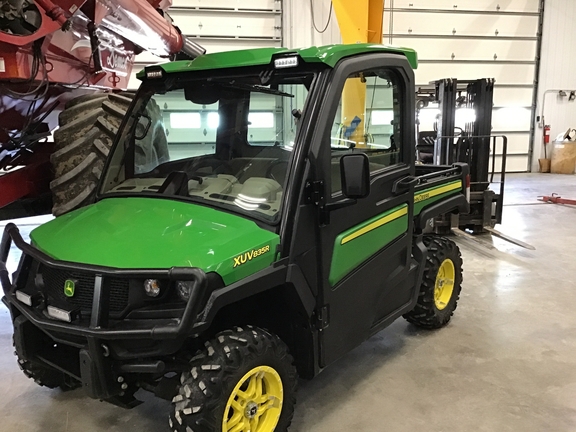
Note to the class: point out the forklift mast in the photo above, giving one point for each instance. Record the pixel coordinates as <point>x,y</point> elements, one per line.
<point>479,97</point>
<point>471,142</point>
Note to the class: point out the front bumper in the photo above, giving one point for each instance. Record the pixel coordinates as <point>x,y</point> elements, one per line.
<point>90,340</point>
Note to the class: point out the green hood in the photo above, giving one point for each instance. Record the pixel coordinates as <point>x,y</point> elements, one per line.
<point>146,233</point>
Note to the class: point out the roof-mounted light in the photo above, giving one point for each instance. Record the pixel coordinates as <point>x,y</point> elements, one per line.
<point>154,73</point>
<point>286,62</point>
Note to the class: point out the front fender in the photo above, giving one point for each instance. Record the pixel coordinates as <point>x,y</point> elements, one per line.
<point>276,275</point>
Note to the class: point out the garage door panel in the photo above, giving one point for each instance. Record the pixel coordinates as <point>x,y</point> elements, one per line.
<point>226,4</point>
<point>420,23</point>
<point>511,119</point>
<point>517,143</point>
<point>514,163</point>
<point>230,24</point>
<point>464,49</point>
<point>213,46</point>
<point>512,96</point>
<point>503,73</point>
<point>529,6</point>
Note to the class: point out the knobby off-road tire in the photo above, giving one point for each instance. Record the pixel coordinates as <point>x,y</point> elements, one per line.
<point>212,391</point>
<point>443,268</point>
<point>47,377</point>
<point>88,125</point>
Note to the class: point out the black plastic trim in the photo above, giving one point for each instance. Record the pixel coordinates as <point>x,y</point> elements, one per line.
<point>451,204</point>
<point>173,330</point>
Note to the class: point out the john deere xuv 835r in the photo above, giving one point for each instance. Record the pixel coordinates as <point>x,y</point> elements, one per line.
<point>284,230</point>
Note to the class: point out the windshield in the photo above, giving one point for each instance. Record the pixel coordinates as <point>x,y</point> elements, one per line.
<point>222,142</point>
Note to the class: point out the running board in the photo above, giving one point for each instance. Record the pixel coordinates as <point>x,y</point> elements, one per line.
<point>506,237</point>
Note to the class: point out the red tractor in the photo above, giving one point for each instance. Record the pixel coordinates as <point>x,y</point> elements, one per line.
<point>52,59</point>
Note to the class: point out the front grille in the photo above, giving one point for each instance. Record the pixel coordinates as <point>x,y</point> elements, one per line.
<point>54,281</point>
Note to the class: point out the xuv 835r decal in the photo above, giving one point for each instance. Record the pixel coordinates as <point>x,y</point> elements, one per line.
<point>354,246</point>
<point>250,255</point>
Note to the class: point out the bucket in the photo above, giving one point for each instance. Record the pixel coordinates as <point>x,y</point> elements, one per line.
<point>563,158</point>
<point>544,165</point>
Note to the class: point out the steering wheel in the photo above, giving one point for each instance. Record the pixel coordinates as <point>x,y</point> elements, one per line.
<point>272,166</point>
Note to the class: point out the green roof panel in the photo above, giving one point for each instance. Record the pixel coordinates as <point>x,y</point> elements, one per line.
<point>329,55</point>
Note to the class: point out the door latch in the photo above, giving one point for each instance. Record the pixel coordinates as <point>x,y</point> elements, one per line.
<point>323,318</point>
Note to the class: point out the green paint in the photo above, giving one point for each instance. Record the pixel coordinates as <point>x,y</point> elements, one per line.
<point>69,288</point>
<point>329,55</point>
<point>153,233</point>
<point>348,256</point>
<point>420,205</point>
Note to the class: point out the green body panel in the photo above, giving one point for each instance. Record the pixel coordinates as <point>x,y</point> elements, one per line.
<point>357,244</point>
<point>154,233</point>
<point>431,195</point>
<point>329,55</point>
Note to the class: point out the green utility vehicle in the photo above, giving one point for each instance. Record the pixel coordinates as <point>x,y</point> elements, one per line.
<point>284,230</point>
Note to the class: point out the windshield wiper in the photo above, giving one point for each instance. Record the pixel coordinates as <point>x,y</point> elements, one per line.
<point>257,89</point>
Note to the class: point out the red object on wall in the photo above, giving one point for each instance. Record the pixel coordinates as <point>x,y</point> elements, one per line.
<point>546,134</point>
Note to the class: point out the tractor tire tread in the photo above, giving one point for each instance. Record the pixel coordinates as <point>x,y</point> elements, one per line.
<point>88,126</point>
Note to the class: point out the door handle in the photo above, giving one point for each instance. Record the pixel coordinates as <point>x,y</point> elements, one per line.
<point>404,185</point>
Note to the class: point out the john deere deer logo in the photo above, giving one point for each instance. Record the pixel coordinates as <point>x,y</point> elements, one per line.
<point>69,288</point>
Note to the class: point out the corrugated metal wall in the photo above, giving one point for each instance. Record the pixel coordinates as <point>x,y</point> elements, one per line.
<point>557,71</point>
<point>468,39</point>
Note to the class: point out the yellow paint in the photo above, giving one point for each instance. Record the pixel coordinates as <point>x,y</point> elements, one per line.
<point>375,224</point>
<point>250,255</point>
<point>255,403</point>
<point>360,21</point>
<point>434,192</point>
<point>444,286</point>
<point>354,105</point>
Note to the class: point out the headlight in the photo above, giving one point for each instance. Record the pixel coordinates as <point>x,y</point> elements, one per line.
<point>184,289</point>
<point>152,287</point>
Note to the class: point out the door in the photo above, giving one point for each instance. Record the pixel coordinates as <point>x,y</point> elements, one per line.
<point>366,247</point>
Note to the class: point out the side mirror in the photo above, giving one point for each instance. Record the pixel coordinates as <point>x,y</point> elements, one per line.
<point>355,175</point>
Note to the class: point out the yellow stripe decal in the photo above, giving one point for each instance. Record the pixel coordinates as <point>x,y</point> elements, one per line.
<point>433,192</point>
<point>376,224</point>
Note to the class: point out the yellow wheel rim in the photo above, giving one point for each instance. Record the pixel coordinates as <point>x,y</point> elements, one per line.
<point>444,286</point>
<point>255,403</point>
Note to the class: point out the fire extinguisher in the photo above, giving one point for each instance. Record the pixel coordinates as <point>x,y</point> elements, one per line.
<point>546,138</point>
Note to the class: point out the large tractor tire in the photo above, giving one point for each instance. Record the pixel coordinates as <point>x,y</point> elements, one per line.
<point>88,125</point>
<point>244,380</point>
<point>441,284</point>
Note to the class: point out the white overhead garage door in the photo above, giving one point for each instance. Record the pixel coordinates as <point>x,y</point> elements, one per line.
<point>223,25</point>
<point>471,39</point>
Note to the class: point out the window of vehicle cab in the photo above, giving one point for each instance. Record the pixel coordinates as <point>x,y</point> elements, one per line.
<point>368,120</point>
<point>224,142</point>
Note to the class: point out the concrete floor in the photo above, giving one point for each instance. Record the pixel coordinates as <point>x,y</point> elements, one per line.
<point>507,361</point>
